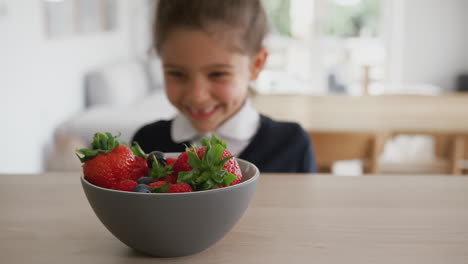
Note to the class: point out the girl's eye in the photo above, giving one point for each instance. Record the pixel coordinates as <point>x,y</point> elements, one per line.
<point>217,75</point>
<point>176,74</point>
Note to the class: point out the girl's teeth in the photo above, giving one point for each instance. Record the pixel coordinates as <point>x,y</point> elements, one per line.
<point>204,111</point>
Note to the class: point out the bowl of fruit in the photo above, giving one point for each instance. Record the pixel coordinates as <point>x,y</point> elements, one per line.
<point>166,205</point>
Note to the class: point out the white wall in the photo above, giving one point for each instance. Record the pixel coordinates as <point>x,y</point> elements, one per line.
<point>41,79</point>
<point>435,42</point>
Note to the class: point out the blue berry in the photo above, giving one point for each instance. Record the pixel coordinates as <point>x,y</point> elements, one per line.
<point>159,156</point>
<point>145,180</point>
<point>143,188</point>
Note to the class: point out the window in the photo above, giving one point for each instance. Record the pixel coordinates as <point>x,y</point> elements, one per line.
<point>324,46</point>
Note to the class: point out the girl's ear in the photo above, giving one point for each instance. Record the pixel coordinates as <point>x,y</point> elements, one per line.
<point>258,62</point>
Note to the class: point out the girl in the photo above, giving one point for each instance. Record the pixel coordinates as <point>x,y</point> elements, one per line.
<point>211,50</point>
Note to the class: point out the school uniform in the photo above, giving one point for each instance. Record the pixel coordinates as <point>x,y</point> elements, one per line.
<point>271,145</point>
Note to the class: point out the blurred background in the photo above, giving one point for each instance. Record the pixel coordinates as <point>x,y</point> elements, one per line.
<point>69,68</point>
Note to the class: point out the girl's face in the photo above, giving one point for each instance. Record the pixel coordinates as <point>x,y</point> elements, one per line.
<point>206,78</point>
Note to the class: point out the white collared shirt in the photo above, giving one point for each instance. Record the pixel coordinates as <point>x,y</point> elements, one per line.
<point>236,131</point>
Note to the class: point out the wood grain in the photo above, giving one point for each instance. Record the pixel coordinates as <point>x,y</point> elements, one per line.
<point>294,218</point>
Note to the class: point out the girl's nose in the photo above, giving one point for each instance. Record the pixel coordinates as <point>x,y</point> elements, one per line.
<point>197,91</point>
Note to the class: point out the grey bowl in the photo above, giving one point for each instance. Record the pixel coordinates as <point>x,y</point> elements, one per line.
<point>170,225</point>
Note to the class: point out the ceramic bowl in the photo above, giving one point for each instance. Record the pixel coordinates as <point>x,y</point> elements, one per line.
<point>173,224</point>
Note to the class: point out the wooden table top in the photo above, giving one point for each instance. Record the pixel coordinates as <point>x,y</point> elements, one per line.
<point>293,218</point>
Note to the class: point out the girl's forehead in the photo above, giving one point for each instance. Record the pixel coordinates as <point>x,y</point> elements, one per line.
<point>213,40</point>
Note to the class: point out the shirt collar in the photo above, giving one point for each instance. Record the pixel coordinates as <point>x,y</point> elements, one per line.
<point>242,126</point>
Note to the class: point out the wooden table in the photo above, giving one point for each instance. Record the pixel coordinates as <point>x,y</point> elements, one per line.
<point>295,218</point>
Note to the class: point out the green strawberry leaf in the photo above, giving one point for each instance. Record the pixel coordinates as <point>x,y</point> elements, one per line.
<point>229,178</point>
<point>162,189</point>
<point>87,154</point>
<point>158,170</point>
<point>214,140</point>
<point>205,142</point>
<point>102,143</point>
<point>223,161</point>
<point>137,151</point>
<point>214,154</point>
<point>219,176</point>
<point>203,177</point>
<point>187,177</point>
<point>194,160</point>
<point>208,185</point>
<point>207,171</point>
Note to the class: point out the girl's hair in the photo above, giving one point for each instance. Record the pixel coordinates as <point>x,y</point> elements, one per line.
<point>245,16</point>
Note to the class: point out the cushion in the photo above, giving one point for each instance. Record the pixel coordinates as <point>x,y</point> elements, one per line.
<point>119,84</point>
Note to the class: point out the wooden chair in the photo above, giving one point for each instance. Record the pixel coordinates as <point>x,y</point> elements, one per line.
<point>459,155</point>
<point>450,151</point>
<point>332,146</point>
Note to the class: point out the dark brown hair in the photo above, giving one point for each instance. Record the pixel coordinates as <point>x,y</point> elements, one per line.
<point>245,16</point>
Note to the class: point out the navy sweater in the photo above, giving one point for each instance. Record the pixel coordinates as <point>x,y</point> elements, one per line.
<point>276,147</point>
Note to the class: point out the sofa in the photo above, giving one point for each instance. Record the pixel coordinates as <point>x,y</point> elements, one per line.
<point>119,98</point>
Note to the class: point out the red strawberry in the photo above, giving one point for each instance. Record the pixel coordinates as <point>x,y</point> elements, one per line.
<point>181,163</point>
<point>165,187</point>
<point>140,168</point>
<point>212,166</point>
<point>160,172</point>
<point>157,184</point>
<point>170,179</point>
<point>180,187</point>
<point>170,161</point>
<point>231,165</point>
<point>126,185</point>
<point>107,162</point>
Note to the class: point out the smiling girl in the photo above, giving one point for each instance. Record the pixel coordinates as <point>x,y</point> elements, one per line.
<point>211,50</point>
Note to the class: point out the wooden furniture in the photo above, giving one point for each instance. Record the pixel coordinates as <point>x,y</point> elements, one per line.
<point>449,151</point>
<point>293,218</point>
<point>332,146</point>
<point>461,154</point>
<point>442,113</point>
<point>445,113</point>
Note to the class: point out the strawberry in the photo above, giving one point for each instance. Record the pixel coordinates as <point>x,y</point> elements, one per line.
<point>170,161</point>
<point>166,187</point>
<point>170,178</point>
<point>231,165</point>
<point>140,168</point>
<point>126,185</point>
<point>180,188</point>
<point>208,167</point>
<point>161,172</point>
<point>107,162</point>
<point>157,184</point>
<point>182,164</point>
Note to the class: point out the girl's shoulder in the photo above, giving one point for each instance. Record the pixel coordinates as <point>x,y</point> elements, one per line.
<point>272,128</point>
<point>150,136</point>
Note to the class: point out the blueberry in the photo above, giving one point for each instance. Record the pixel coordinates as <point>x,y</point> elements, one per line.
<point>142,188</point>
<point>159,156</point>
<point>145,180</point>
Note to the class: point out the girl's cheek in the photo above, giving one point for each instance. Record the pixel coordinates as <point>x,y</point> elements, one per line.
<point>173,92</point>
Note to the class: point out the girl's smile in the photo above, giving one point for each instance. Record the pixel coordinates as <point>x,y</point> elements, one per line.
<point>202,114</point>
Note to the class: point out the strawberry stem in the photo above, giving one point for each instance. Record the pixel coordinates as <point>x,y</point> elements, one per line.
<point>207,172</point>
<point>102,143</point>
<point>137,151</point>
<point>158,170</point>
<point>162,189</point>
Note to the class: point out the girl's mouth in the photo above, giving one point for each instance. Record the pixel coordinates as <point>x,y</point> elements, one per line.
<point>202,114</point>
